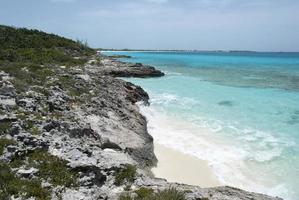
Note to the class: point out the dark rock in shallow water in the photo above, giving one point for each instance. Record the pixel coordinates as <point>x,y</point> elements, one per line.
<point>296,112</point>
<point>120,56</point>
<point>226,103</point>
<point>294,120</point>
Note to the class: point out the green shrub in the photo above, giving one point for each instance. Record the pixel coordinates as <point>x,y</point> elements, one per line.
<point>169,194</point>
<point>22,114</point>
<point>35,131</point>
<point>26,74</point>
<point>68,84</point>
<point>16,162</point>
<point>15,38</point>
<point>125,197</point>
<point>12,185</point>
<point>52,168</point>
<point>4,143</point>
<point>56,115</point>
<point>4,127</point>
<point>125,175</point>
<point>148,194</point>
<point>31,56</point>
<point>144,192</point>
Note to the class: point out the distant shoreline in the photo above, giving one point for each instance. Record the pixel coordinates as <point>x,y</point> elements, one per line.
<point>199,51</point>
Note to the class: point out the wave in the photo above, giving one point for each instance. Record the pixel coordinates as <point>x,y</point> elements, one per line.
<point>266,146</point>
<point>166,99</point>
<point>229,158</point>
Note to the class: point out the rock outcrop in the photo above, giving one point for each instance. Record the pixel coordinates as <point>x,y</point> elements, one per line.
<point>85,128</point>
<point>122,69</point>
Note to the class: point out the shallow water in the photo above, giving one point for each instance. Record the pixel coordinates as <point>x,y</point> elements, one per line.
<point>238,111</point>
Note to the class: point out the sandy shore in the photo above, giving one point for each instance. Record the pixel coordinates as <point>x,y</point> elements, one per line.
<point>181,168</point>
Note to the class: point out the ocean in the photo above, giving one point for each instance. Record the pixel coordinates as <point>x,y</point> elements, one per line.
<point>239,111</point>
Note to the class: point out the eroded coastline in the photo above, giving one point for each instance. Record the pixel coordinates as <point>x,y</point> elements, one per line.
<point>88,120</point>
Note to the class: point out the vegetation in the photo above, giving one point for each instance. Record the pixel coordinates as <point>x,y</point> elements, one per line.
<point>144,192</point>
<point>56,115</point>
<point>35,131</point>
<point>29,125</point>
<point>12,185</point>
<point>29,55</point>
<point>39,56</point>
<point>69,83</point>
<point>4,143</point>
<point>125,175</point>
<point>125,197</point>
<point>148,194</point>
<point>4,127</point>
<point>169,194</point>
<point>22,43</point>
<point>52,168</point>
<point>26,74</point>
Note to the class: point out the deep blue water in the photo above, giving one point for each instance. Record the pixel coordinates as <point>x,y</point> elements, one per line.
<point>237,110</point>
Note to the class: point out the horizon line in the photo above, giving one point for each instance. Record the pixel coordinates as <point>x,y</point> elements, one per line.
<point>192,50</point>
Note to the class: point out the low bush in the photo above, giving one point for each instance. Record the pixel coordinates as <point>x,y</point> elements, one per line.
<point>10,185</point>
<point>148,194</point>
<point>169,194</point>
<point>125,175</point>
<point>144,192</point>
<point>52,168</point>
<point>4,127</point>
<point>4,143</point>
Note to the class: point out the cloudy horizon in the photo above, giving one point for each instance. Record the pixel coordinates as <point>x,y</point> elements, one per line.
<point>257,25</point>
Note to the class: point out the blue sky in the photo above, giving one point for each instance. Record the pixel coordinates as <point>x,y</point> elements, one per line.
<point>263,25</point>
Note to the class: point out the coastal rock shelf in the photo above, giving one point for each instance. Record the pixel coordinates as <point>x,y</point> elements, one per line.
<point>81,136</point>
<point>122,69</point>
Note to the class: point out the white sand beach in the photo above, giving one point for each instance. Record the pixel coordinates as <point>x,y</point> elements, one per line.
<point>181,168</point>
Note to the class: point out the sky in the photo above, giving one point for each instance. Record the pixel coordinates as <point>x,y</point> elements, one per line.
<point>257,25</point>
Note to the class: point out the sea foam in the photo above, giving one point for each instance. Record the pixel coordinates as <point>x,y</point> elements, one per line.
<point>227,159</point>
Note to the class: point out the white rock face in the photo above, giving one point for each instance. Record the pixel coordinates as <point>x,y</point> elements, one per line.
<point>27,172</point>
<point>7,101</point>
<point>85,77</point>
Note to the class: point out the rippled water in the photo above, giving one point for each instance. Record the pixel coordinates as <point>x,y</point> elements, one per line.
<point>239,111</point>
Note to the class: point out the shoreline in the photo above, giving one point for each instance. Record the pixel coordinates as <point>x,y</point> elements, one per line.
<point>77,132</point>
<point>178,167</point>
<point>199,185</point>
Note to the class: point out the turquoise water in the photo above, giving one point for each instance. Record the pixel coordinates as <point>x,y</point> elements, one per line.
<point>238,111</point>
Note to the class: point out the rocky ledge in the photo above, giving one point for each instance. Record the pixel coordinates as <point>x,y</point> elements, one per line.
<point>81,136</point>
<point>124,69</point>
